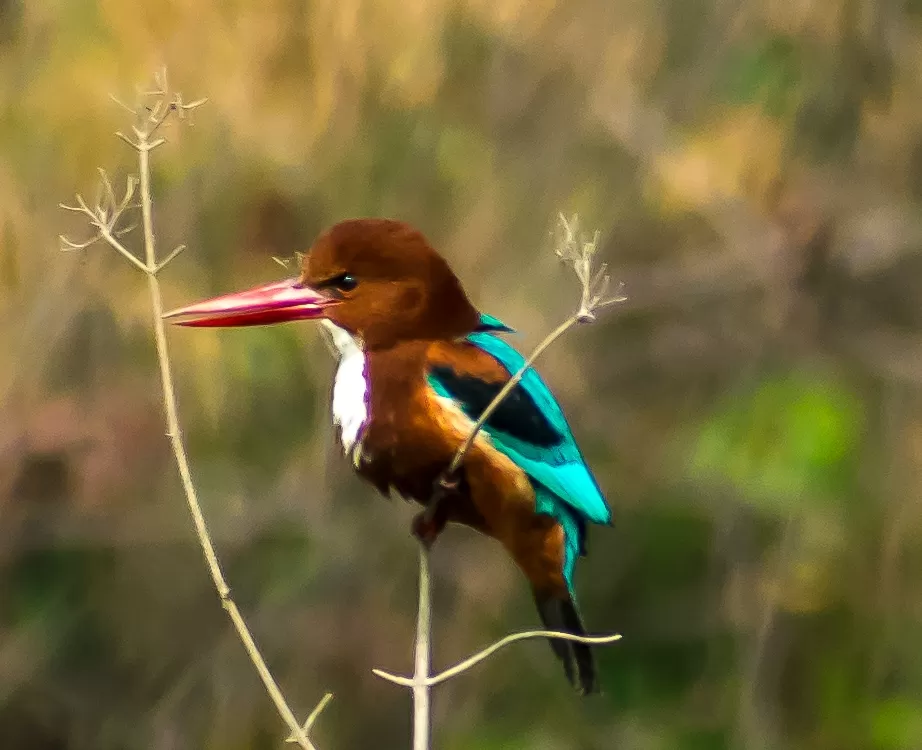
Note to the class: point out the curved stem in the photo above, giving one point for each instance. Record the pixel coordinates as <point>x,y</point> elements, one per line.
<point>492,649</point>
<point>182,461</point>
<point>510,639</point>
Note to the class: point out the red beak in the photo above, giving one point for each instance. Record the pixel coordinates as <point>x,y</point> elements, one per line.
<point>278,302</point>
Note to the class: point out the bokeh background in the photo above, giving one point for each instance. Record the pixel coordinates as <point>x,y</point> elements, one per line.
<point>753,411</point>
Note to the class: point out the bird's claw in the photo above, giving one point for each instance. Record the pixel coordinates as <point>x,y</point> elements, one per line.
<point>429,523</point>
<point>426,527</point>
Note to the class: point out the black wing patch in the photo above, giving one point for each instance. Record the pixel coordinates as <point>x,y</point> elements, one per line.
<point>517,415</point>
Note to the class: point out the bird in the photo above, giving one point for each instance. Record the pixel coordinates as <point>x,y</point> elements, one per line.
<point>418,364</point>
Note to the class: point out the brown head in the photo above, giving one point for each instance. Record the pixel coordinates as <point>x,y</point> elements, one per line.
<point>378,279</point>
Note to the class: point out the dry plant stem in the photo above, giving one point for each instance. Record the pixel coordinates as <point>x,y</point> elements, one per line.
<point>480,656</point>
<point>318,709</point>
<point>182,461</point>
<point>104,217</point>
<point>420,682</point>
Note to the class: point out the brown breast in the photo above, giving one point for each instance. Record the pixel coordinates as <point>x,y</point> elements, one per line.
<point>405,445</point>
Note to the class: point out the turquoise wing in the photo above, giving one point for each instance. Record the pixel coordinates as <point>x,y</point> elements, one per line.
<point>530,428</point>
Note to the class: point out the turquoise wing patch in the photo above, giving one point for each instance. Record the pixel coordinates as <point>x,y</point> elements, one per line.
<point>530,429</point>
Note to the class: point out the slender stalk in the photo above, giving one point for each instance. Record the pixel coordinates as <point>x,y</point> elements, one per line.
<point>423,654</point>
<point>103,217</point>
<point>182,461</point>
<point>472,661</point>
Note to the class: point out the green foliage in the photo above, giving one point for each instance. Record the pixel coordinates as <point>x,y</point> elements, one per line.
<point>768,74</point>
<point>49,583</point>
<point>897,724</point>
<point>791,439</point>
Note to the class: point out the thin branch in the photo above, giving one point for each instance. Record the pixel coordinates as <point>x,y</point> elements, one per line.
<point>86,209</point>
<point>514,638</point>
<point>172,256</point>
<point>490,650</point>
<point>120,134</point>
<point>109,192</point>
<point>67,246</point>
<point>193,105</point>
<point>164,106</point>
<point>131,185</point>
<point>182,462</point>
<point>129,110</point>
<point>309,723</point>
<point>104,219</point>
<point>106,234</point>
<point>160,79</point>
<point>156,115</point>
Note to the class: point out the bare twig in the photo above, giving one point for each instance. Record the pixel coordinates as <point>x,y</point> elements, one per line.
<point>98,217</point>
<point>318,709</point>
<point>172,256</point>
<point>104,217</point>
<point>68,246</point>
<point>472,661</point>
<point>129,110</point>
<point>120,134</point>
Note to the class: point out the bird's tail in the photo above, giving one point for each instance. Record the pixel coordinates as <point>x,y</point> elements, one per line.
<point>561,615</point>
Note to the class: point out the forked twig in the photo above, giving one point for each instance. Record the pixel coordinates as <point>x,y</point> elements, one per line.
<point>104,217</point>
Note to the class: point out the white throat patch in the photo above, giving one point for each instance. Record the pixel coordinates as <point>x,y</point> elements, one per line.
<point>350,389</point>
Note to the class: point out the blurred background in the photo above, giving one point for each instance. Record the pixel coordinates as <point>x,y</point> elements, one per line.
<point>753,411</point>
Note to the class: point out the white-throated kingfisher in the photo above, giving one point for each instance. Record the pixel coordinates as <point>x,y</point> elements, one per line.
<point>418,365</point>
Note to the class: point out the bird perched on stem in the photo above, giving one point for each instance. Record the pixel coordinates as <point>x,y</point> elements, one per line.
<point>418,364</point>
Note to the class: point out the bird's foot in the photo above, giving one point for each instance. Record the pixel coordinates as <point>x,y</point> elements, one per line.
<point>430,522</point>
<point>426,528</point>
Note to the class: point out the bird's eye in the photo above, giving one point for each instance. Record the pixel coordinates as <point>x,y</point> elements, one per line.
<point>345,282</point>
